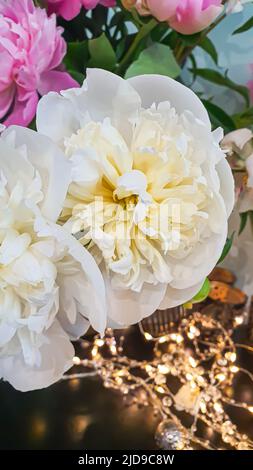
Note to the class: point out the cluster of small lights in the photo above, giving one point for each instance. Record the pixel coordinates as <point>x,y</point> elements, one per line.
<point>201,356</point>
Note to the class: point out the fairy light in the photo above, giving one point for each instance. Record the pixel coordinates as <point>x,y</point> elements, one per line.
<point>99,342</point>
<point>113,349</point>
<point>192,362</point>
<point>230,356</point>
<point>147,336</point>
<point>239,320</point>
<point>163,369</point>
<point>160,390</point>
<point>218,407</point>
<point>234,369</point>
<point>94,351</point>
<point>177,338</point>
<point>172,357</point>
<point>221,377</point>
<point>189,377</point>
<point>76,360</point>
<point>163,339</point>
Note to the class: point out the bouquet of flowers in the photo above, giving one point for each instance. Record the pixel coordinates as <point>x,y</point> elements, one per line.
<point>116,181</point>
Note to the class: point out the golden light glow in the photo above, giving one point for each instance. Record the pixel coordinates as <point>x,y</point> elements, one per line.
<point>148,337</point>
<point>99,342</point>
<point>163,369</point>
<point>76,360</point>
<point>205,383</point>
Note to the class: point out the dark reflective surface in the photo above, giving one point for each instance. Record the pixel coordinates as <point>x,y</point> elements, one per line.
<point>85,415</point>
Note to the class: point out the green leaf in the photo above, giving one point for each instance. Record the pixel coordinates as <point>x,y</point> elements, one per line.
<point>78,76</point>
<point>32,125</point>
<point>207,45</point>
<point>219,117</point>
<point>102,53</point>
<point>157,59</point>
<point>219,79</point>
<point>190,40</point>
<point>77,56</point>
<point>244,119</point>
<point>245,27</point>
<point>227,248</point>
<point>203,293</point>
<point>244,219</point>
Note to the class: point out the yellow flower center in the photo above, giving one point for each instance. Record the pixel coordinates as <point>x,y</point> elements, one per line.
<point>134,204</point>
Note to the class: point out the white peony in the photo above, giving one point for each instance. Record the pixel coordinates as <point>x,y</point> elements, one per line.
<point>50,287</point>
<point>236,6</point>
<point>151,190</point>
<point>239,147</point>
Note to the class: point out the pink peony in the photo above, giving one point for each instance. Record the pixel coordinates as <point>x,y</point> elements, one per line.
<point>185,16</point>
<point>68,9</point>
<point>250,84</point>
<point>192,16</point>
<point>31,51</point>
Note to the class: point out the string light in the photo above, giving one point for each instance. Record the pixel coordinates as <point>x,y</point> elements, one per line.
<point>204,372</point>
<point>76,361</point>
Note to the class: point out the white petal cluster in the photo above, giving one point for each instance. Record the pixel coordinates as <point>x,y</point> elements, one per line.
<point>49,284</point>
<point>150,191</point>
<point>236,6</point>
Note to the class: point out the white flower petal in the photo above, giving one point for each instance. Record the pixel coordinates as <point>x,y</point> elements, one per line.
<point>52,165</point>
<point>127,307</point>
<point>56,356</point>
<point>227,185</point>
<point>56,117</point>
<point>103,95</point>
<point>89,277</point>
<point>176,297</point>
<point>158,88</point>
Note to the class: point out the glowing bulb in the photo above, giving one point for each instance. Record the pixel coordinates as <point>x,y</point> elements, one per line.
<point>94,351</point>
<point>217,406</point>
<point>76,361</point>
<point>177,337</point>
<point>189,377</point>
<point>234,369</point>
<point>163,369</point>
<point>160,390</point>
<point>113,349</point>
<point>239,320</point>
<point>221,377</point>
<point>99,342</point>
<point>231,356</point>
<point>192,362</point>
<point>163,339</point>
<point>148,336</point>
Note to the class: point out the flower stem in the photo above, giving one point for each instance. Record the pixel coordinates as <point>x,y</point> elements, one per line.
<point>184,56</point>
<point>142,33</point>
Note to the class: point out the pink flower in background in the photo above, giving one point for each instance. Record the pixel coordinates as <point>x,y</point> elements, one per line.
<point>250,84</point>
<point>192,16</point>
<point>185,16</point>
<point>31,51</point>
<point>68,9</point>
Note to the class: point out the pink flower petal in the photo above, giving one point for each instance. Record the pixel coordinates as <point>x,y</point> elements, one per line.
<point>55,80</point>
<point>250,85</point>
<point>23,111</point>
<point>6,99</point>
<point>163,9</point>
<point>193,16</point>
<point>67,9</point>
